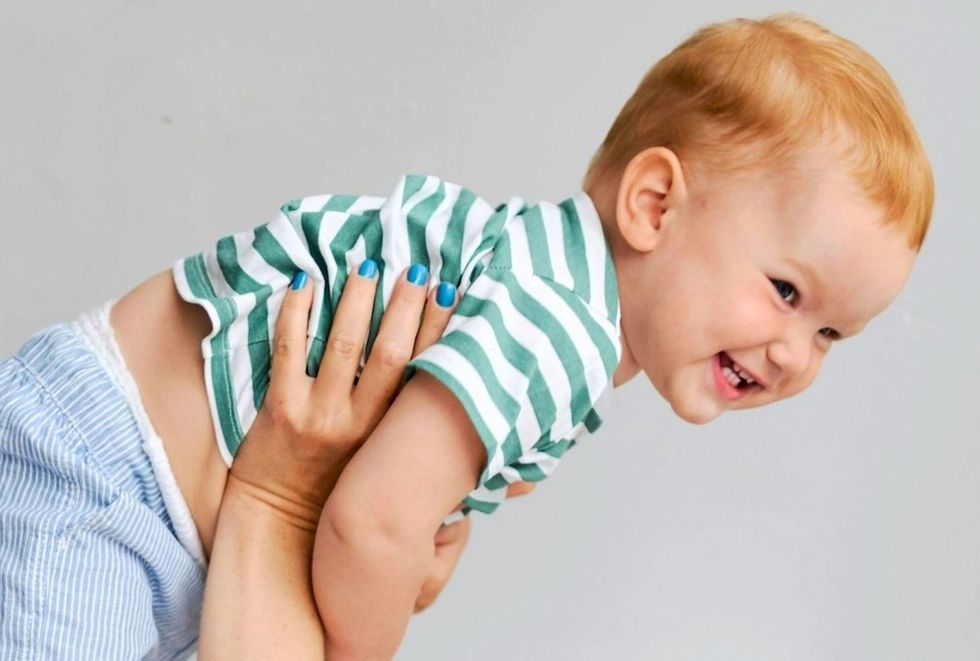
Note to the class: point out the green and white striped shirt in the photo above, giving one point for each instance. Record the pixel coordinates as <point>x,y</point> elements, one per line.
<point>528,351</point>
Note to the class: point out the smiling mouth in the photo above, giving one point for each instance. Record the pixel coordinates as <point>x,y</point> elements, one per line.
<point>734,373</point>
<point>731,380</point>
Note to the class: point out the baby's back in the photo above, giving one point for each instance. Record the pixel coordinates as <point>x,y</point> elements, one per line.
<point>535,340</point>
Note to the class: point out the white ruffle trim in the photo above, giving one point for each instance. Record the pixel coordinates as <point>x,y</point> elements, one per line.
<point>93,326</point>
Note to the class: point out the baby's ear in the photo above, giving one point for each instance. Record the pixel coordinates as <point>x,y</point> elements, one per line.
<point>652,184</point>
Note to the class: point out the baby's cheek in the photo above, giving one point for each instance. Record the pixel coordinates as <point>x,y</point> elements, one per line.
<point>751,321</point>
<point>804,380</point>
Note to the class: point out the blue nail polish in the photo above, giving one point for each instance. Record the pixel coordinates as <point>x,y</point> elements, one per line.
<point>299,280</point>
<point>446,294</point>
<point>418,274</point>
<point>368,268</point>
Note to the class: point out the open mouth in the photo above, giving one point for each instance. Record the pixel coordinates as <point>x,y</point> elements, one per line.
<point>731,379</point>
<point>734,373</point>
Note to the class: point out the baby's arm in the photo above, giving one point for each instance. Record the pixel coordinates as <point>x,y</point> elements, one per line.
<point>375,538</point>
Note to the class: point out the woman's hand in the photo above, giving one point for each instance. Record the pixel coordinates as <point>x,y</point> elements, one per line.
<point>258,602</point>
<point>308,428</point>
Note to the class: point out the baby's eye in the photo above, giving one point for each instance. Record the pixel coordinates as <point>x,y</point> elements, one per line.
<point>830,334</point>
<point>786,291</point>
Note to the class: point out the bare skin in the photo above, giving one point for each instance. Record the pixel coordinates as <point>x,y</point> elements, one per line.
<point>160,337</point>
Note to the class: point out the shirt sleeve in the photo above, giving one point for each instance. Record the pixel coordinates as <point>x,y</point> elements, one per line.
<point>527,358</point>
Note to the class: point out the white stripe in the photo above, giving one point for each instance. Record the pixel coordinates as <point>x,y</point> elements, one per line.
<point>294,245</point>
<point>435,229</point>
<point>366,203</point>
<point>510,378</point>
<point>240,366</point>
<point>595,250</point>
<point>587,352</point>
<point>394,240</point>
<point>312,204</point>
<point>356,255</point>
<point>476,219</point>
<point>555,233</point>
<point>394,219</point>
<point>520,250</point>
<point>527,333</point>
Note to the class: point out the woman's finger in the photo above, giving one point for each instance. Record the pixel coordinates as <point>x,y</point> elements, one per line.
<point>392,347</point>
<point>289,343</point>
<point>438,308</point>
<point>348,331</point>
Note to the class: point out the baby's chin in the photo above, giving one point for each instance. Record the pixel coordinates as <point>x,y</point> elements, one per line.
<point>696,415</point>
<point>690,407</point>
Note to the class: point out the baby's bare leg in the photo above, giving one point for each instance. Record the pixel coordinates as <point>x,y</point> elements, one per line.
<point>160,337</point>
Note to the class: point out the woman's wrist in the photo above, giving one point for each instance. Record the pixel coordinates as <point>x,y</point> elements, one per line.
<point>243,498</point>
<point>260,576</point>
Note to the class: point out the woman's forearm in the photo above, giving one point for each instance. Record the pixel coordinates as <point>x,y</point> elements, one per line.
<point>258,602</point>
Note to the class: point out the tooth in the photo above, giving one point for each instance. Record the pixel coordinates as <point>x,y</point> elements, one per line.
<point>730,376</point>
<point>742,373</point>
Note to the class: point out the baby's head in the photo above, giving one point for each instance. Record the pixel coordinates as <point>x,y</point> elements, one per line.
<point>764,194</point>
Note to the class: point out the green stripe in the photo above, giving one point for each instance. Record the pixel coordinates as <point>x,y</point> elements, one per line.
<point>413,184</point>
<point>612,291</point>
<point>559,338</point>
<point>537,242</point>
<point>575,255</point>
<point>272,252</point>
<point>498,481</point>
<point>258,316</point>
<point>310,225</point>
<point>451,249</point>
<point>559,448</point>
<point>530,472</point>
<point>599,337</point>
<point>516,354</point>
<point>506,405</point>
<point>593,421</point>
<point>195,273</point>
<point>416,220</point>
<point>501,253</point>
<point>478,505</point>
<point>339,203</point>
<point>494,226</point>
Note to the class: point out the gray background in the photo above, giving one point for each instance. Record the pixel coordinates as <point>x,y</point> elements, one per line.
<point>843,524</point>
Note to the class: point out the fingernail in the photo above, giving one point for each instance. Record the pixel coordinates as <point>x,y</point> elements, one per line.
<point>299,280</point>
<point>368,268</point>
<point>446,294</point>
<point>418,274</point>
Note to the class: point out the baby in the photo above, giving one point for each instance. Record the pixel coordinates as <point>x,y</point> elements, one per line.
<point>762,195</point>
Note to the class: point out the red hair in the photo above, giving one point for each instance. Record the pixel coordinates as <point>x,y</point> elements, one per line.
<point>750,93</point>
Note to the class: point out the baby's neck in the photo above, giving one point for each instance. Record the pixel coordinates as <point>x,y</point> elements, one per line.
<point>603,198</point>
